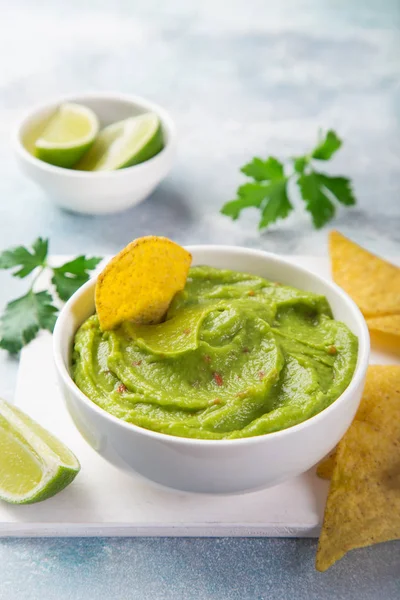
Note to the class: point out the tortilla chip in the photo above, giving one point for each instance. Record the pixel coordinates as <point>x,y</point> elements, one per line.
<point>373,283</point>
<point>139,283</point>
<point>389,344</point>
<point>389,324</point>
<point>363,505</point>
<point>385,333</point>
<point>326,466</point>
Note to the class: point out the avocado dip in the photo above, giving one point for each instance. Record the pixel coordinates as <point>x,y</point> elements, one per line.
<point>237,356</point>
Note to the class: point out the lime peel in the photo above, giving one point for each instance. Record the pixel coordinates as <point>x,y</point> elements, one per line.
<point>68,135</point>
<point>35,464</point>
<point>124,144</point>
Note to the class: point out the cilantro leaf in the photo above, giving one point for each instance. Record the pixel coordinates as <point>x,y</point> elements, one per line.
<point>264,170</point>
<point>250,194</point>
<point>300,163</point>
<point>269,190</point>
<point>79,265</point>
<point>340,187</point>
<point>278,205</point>
<point>271,199</point>
<point>69,277</point>
<point>317,202</point>
<point>24,317</point>
<point>327,147</point>
<point>27,260</point>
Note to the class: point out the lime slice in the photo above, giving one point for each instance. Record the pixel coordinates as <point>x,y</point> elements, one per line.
<point>34,464</point>
<point>124,144</point>
<point>67,136</point>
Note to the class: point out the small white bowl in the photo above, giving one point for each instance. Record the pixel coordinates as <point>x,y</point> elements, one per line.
<point>95,192</point>
<point>217,466</point>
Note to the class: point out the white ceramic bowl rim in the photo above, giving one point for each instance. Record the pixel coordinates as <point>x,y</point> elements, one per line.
<point>81,97</point>
<point>359,372</point>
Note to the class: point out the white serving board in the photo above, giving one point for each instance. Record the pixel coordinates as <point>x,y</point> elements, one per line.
<point>105,501</point>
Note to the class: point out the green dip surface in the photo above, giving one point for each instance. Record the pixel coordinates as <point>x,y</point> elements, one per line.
<point>237,356</point>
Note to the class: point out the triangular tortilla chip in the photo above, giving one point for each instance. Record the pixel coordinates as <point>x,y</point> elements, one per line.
<point>385,333</point>
<point>363,505</point>
<point>389,324</point>
<point>373,283</point>
<point>326,466</point>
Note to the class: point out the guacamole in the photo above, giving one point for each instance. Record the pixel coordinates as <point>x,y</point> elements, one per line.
<point>237,356</point>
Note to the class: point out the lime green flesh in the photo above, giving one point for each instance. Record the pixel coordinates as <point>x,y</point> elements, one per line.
<point>124,144</point>
<point>20,471</point>
<point>66,126</point>
<point>34,465</point>
<point>67,136</point>
<point>60,449</point>
<point>236,356</point>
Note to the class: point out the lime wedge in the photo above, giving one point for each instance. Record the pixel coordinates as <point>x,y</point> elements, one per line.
<point>124,144</point>
<point>67,136</point>
<point>34,464</point>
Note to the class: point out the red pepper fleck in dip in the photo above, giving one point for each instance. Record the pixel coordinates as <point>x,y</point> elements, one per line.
<point>121,388</point>
<point>218,379</point>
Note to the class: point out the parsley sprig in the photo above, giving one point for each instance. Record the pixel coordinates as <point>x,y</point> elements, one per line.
<point>269,189</point>
<point>24,317</point>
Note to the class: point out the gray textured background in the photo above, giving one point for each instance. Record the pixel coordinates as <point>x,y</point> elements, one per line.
<point>240,78</point>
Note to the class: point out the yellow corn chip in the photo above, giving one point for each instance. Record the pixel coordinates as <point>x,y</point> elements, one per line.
<point>373,283</point>
<point>363,505</point>
<point>390,344</point>
<point>385,333</point>
<point>326,466</point>
<point>389,324</point>
<point>139,283</point>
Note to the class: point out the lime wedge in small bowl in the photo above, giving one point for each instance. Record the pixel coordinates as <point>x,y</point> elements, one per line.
<point>124,144</point>
<point>67,136</point>
<point>34,464</point>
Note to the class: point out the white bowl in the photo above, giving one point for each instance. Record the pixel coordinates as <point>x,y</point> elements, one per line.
<point>217,466</point>
<point>95,192</point>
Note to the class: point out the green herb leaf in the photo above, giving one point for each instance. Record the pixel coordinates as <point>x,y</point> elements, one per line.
<point>269,192</point>
<point>317,202</point>
<point>69,277</point>
<point>250,194</point>
<point>340,187</point>
<point>278,205</point>
<point>271,198</point>
<point>300,163</point>
<point>27,260</point>
<point>24,317</point>
<point>264,170</point>
<point>327,147</point>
